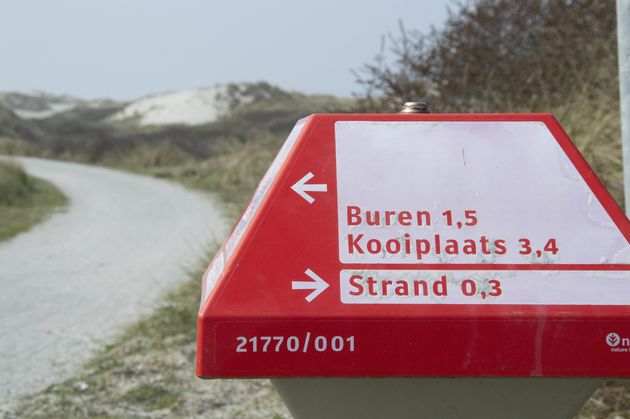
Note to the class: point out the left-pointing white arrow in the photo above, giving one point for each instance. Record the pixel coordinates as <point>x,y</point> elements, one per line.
<point>318,285</point>
<point>301,187</point>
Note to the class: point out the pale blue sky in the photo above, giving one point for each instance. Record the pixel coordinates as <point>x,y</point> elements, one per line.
<point>124,49</point>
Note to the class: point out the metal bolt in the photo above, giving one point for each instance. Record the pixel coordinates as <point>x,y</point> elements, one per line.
<point>415,107</point>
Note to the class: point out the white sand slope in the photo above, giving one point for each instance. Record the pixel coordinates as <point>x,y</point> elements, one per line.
<point>53,109</point>
<point>40,105</point>
<point>190,107</point>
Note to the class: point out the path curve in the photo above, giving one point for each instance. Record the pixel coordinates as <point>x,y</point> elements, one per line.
<point>70,283</point>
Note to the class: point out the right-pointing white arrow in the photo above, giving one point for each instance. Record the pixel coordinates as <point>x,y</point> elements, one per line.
<point>318,285</point>
<point>301,187</point>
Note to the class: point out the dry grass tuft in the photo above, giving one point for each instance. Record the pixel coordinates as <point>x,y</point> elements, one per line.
<point>24,200</point>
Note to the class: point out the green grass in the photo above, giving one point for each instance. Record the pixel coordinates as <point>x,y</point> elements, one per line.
<point>140,373</point>
<point>232,174</point>
<point>24,200</point>
<point>612,400</point>
<point>152,397</point>
<point>148,371</point>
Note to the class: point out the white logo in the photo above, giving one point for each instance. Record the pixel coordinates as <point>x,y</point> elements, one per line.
<point>613,339</point>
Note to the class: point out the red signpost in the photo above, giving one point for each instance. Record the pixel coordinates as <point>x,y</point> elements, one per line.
<point>426,245</point>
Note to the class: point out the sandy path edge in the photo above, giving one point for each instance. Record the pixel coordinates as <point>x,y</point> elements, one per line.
<point>71,282</point>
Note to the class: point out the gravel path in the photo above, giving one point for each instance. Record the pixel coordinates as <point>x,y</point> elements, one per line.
<point>67,285</point>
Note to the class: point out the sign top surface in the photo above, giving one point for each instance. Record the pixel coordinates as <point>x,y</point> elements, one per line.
<point>426,216</point>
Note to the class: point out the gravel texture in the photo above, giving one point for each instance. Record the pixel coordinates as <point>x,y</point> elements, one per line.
<point>69,284</point>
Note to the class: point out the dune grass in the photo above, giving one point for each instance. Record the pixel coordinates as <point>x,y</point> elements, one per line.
<point>148,372</point>
<point>24,200</point>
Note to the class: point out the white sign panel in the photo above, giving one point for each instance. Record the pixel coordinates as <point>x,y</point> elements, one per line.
<point>465,193</point>
<point>484,287</point>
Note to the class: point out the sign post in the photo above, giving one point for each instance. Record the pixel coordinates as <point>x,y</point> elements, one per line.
<point>418,248</point>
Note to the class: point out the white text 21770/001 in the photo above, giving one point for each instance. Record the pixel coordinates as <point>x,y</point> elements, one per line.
<point>307,343</point>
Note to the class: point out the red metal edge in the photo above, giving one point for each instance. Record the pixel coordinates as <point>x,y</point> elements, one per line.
<point>559,135</point>
<point>254,223</point>
<point>492,266</point>
<point>549,120</point>
<point>572,152</point>
<point>438,347</point>
<point>589,176</point>
<point>242,245</point>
